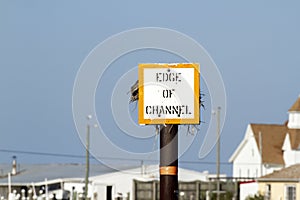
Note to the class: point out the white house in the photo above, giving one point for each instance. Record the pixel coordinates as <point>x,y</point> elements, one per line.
<point>268,147</point>
<point>260,151</point>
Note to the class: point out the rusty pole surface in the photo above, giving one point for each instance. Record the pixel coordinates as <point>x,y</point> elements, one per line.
<point>169,162</point>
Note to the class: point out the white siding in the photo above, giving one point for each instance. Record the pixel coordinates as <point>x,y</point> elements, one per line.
<point>294,120</point>
<point>248,189</point>
<point>247,162</point>
<point>78,187</point>
<point>268,169</point>
<point>291,157</point>
<point>122,182</point>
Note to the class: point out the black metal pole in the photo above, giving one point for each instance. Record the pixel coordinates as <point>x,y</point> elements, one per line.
<point>168,162</point>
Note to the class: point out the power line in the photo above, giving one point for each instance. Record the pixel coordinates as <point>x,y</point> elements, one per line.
<point>103,158</point>
<point>41,153</point>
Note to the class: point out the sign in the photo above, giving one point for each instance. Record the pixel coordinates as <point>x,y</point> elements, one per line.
<point>169,93</point>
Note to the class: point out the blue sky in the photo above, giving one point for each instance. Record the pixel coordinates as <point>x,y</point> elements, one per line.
<point>255,45</point>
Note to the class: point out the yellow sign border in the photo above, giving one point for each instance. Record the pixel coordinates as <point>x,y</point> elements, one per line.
<point>195,120</point>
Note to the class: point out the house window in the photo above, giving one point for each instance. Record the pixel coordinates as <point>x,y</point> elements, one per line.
<point>267,192</point>
<point>290,192</point>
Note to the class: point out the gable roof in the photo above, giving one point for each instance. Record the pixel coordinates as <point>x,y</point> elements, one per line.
<point>272,137</point>
<point>291,173</point>
<point>296,105</point>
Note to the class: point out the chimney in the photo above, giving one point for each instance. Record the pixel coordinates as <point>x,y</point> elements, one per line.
<point>14,166</point>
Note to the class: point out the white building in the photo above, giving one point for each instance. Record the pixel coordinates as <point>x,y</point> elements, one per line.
<point>260,151</point>
<point>61,179</point>
<point>266,148</point>
<point>67,181</point>
<point>122,183</point>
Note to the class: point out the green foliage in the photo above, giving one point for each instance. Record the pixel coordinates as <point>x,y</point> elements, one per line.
<point>223,196</point>
<point>255,197</point>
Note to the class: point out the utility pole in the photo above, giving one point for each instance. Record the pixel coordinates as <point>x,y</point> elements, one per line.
<point>218,153</point>
<point>87,159</point>
<point>168,162</point>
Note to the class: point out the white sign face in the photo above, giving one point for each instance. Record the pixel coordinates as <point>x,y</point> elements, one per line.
<point>169,93</point>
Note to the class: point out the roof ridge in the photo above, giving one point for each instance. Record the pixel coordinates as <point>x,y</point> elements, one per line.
<point>267,124</point>
<point>296,105</point>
